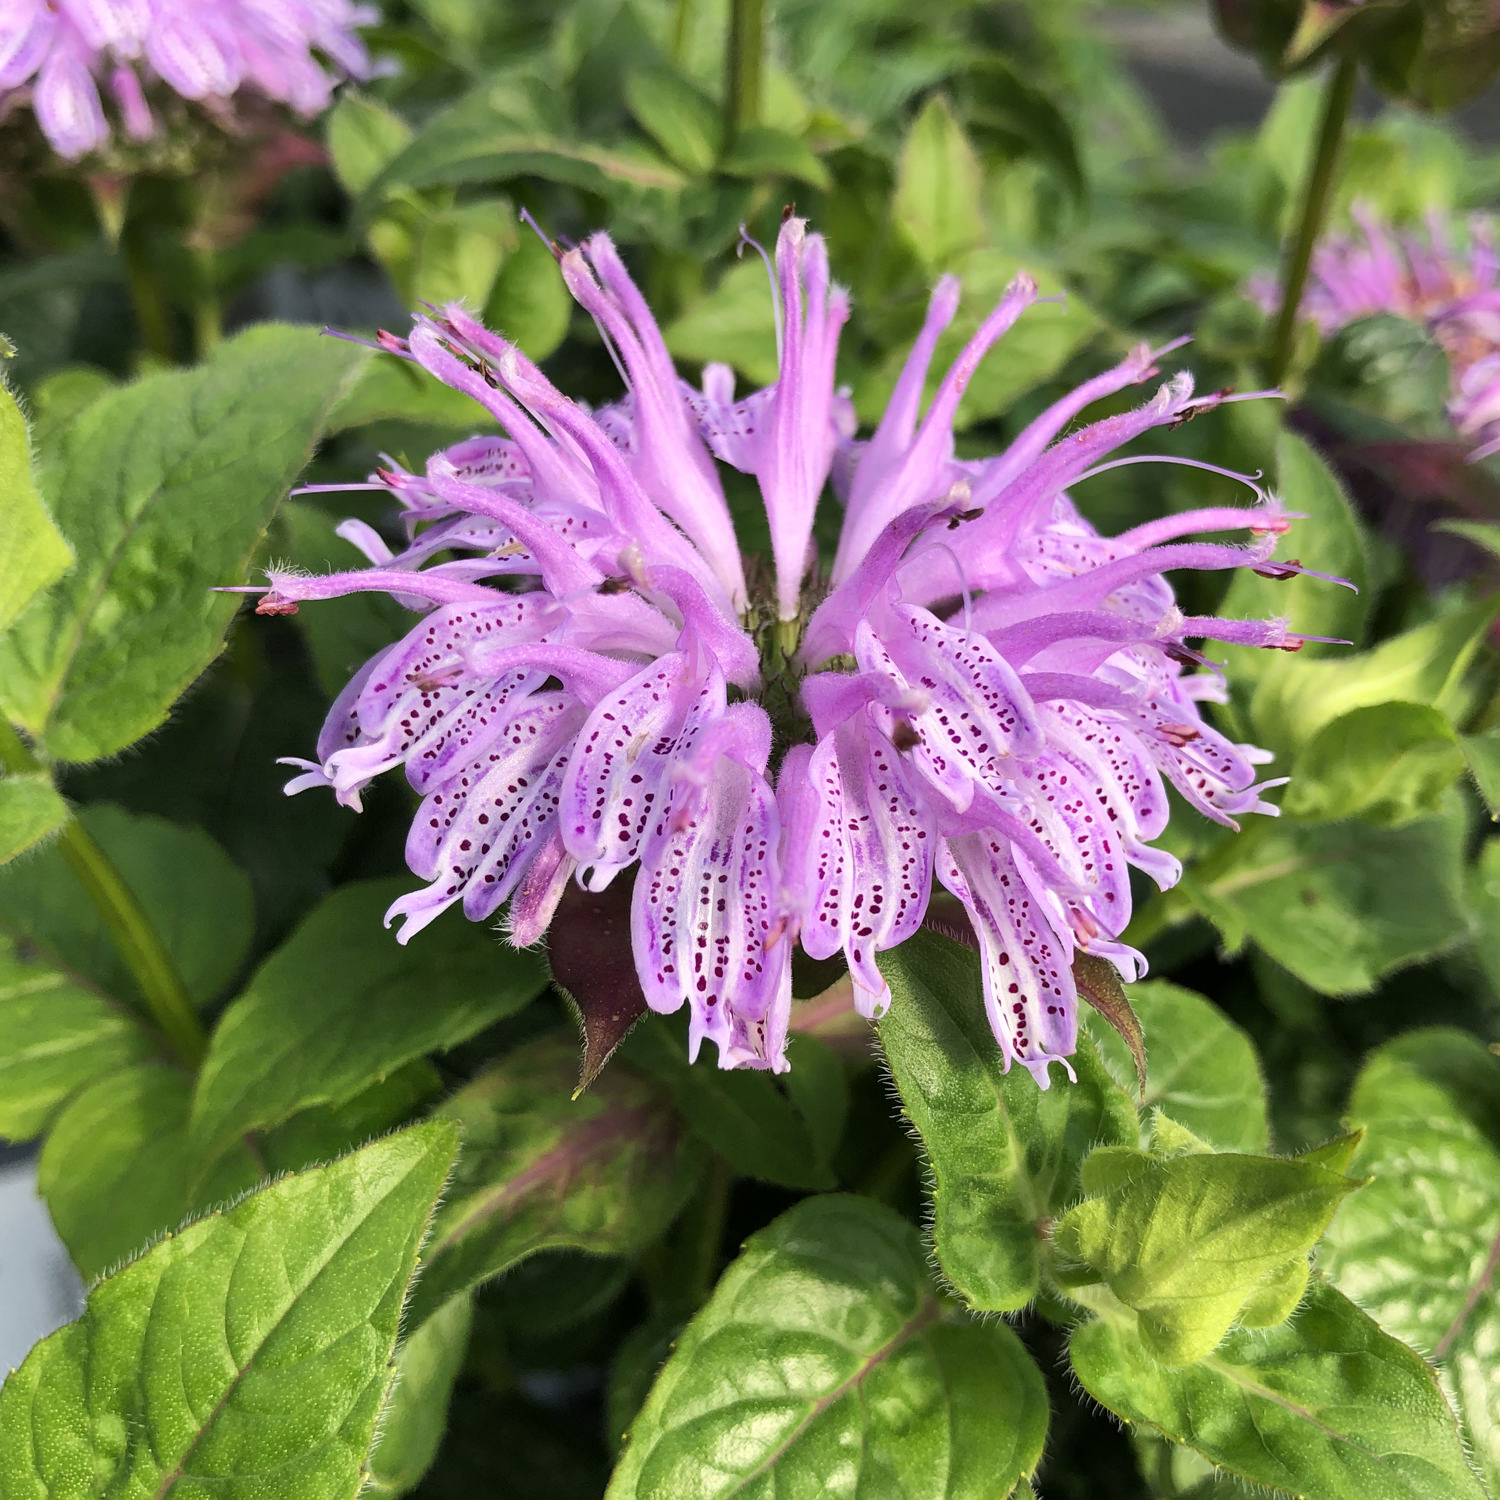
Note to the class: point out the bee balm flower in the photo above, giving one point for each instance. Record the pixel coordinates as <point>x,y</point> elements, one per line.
<point>981,690</point>
<point>56,53</point>
<point>1424,278</point>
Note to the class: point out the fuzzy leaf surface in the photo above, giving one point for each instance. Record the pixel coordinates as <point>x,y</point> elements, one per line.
<point>244,1357</point>
<point>1187,1240</point>
<point>605,1172</point>
<point>1201,1068</point>
<point>30,809</point>
<point>33,554</point>
<point>1326,1407</point>
<point>1420,1246</point>
<point>823,1363</point>
<point>341,1004</point>
<point>56,1035</point>
<point>197,899</point>
<point>165,487</point>
<point>1004,1154</point>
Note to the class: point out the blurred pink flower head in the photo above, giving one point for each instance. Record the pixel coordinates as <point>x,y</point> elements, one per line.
<point>79,61</point>
<point>1427,278</point>
<point>978,690</point>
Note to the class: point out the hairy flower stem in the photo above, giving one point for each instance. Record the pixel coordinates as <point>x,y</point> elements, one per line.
<point>742,83</point>
<point>134,937</point>
<point>1337,97</point>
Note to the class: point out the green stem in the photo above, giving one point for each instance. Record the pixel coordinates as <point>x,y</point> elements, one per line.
<point>682,29</point>
<point>1337,97</point>
<point>747,43</point>
<point>143,951</point>
<point>208,325</point>
<point>146,298</point>
<point>702,1232</point>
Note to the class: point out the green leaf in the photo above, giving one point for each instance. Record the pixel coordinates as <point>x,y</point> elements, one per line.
<point>605,1172</point>
<point>459,252</point>
<point>1387,763</point>
<point>1201,1068</point>
<point>362,135</point>
<point>341,1004</point>
<point>1328,1406</point>
<point>1004,1154</point>
<point>1485,534</point>
<point>248,1355</point>
<point>194,895</point>
<point>1424,666</point>
<point>1483,890</point>
<point>33,554</point>
<point>733,324</point>
<point>939,188</point>
<point>119,1167</point>
<point>760,151</point>
<point>342,634</point>
<point>513,125</point>
<point>30,809</point>
<point>1420,1246</point>
<point>1340,905</point>
<point>1482,754</point>
<point>530,305</point>
<point>823,1363</point>
<point>676,114</point>
<point>328,1130</point>
<point>1045,337</point>
<point>56,1035</point>
<point>411,1428</point>
<point>388,388</point>
<point>1328,538</point>
<point>745,1116</point>
<point>165,488</point>
<point>1186,1241</point>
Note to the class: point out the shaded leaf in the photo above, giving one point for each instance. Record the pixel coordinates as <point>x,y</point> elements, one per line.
<point>341,1004</point>
<point>246,1355</point>
<point>1482,754</point>
<point>1340,905</point>
<point>1201,1068</point>
<point>1004,1154</point>
<point>605,1172</point>
<point>119,1167</point>
<point>197,899</point>
<point>416,1411</point>
<point>165,487</point>
<point>676,114</point>
<point>56,1035</point>
<point>823,1360</point>
<point>744,1115</point>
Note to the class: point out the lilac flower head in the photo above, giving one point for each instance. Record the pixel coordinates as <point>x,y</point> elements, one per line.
<point>55,54</point>
<point>982,691</point>
<point>1427,279</point>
